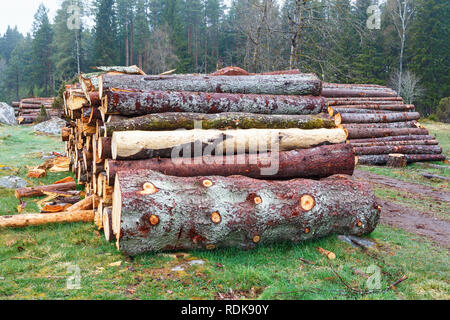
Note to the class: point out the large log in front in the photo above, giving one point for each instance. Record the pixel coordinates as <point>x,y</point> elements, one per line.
<point>153,212</point>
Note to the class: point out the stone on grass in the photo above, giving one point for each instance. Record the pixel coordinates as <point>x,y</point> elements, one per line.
<point>12,182</point>
<point>7,115</point>
<point>52,126</point>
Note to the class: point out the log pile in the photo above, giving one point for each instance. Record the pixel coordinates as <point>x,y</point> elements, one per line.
<point>207,161</point>
<point>29,109</point>
<point>379,124</point>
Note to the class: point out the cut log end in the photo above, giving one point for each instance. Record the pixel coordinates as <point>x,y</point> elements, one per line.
<point>396,160</point>
<point>331,111</point>
<point>337,119</point>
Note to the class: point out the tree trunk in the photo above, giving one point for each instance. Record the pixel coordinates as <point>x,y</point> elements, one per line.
<point>317,162</point>
<point>39,191</point>
<point>300,84</point>
<point>386,100</point>
<point>375,118</point>
<point>394,143</point>
<point>335,110</point>
<point>104,148</point>
<point>88,203</point>
<point>406,149</point>
<point>383,158</point>
<point>387,107</point>
<point>360,133</point>
<point>141,103</point>
<point>153,212</point>
<point>135,145</point>
<point>343,92</point>
<point>228,120</point>
<point>406,124</point>
<point>394,138</point>
<point>26,220</point>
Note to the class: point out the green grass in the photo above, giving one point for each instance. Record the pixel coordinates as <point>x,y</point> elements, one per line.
<point>35,261</point>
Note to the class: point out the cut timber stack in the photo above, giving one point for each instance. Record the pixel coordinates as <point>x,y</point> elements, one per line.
<point>379,125</point>
<point>29,109</point>
<point>206,161</point>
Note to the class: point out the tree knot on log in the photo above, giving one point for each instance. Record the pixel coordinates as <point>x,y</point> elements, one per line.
<point>149,188</point>
<point>307,202</point>
<point>215,217</point>
<point>154,220</point>
<point>207,183</point>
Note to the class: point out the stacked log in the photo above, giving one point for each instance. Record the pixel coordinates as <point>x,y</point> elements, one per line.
<point>29,109</point>
<point>228,153</point>
<point>379,124</point>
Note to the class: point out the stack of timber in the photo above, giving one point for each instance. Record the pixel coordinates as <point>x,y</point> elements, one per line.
<point>205,161</point>
<point>29,109</point>
<point>16,105</point>
<point>382,129</point>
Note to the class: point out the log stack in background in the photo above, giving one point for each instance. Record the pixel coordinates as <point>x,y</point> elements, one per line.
<point>379,124</point>
<point>126,127</point>
<point>29,109</point>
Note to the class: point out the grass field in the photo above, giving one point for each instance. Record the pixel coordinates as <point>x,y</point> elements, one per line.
<point>40,262</point>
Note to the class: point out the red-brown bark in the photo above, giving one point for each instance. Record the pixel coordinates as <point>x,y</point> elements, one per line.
<point>317,162</point>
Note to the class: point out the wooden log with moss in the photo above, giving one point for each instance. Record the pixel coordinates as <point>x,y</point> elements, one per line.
<point>230,120</point>
<point>153,212</point>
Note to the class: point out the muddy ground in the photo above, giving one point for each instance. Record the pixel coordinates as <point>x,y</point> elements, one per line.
<point>414,221</point>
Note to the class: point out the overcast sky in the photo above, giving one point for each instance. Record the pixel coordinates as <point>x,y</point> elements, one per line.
<point>21,13</point>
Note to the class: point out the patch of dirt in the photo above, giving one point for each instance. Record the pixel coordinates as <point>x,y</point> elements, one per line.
<point>420,189</point>
<point>396,215</point>
<point>420,223</point>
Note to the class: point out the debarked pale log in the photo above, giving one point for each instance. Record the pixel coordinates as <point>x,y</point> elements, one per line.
<point>134,145</point>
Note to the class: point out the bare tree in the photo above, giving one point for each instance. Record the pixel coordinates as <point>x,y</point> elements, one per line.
<point>408,84</point>
<point>401,11</point>
<point>160,54</point>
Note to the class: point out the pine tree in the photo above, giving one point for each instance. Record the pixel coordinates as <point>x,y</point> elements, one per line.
<point>42,68</point>
<point>68,54</point>
<point>429,51</point>
<point>106,48</point>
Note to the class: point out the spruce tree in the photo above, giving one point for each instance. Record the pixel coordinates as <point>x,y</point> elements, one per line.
<point>106,48</point>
